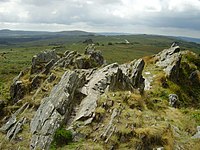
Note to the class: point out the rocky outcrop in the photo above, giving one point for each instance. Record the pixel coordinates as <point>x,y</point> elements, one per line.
<point>44,62</point>
<point>39,61</point>
<point>169,60</point>
<point>56,108</point>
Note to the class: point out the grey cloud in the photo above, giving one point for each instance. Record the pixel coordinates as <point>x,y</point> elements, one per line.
<point>99,13</point>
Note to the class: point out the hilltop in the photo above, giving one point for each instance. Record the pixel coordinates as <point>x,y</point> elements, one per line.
<point>72,100</point>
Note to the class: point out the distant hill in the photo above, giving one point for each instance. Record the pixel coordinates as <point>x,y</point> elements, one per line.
<point>20,33</point>
<point>189,39</point>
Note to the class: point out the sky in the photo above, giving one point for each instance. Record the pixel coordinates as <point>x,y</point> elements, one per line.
<point>164,17</point>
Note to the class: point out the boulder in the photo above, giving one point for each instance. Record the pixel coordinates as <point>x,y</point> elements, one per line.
<point>195,77</point>
<point>173,100</point>
<point>95,55</point>
<point>169,60</point>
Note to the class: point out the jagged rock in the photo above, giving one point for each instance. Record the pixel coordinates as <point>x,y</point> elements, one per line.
<point>56,108</point>
<point>110,128</point>
<point>195,77</point>
<point>17,91</point>
<point>11,134</point>
<point>48,66</point>
<point>53,111</point>
<point>12,126</point>
<point>110,78</point>
<point>169,60</point>
<point>197,135</point>
<point>39,60</point>
<point>89,60</point>
<point>174,44</point>
<point>67,60</point>
<point>10,123</point>
<point>95,55</point>
<point>36,81</point>
<point>134,71</point>
<point>173,100</point>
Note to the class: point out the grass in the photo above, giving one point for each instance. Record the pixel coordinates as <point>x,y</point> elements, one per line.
<point>147,128</point>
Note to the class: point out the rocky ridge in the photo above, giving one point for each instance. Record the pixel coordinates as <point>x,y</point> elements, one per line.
<point>75,95</point>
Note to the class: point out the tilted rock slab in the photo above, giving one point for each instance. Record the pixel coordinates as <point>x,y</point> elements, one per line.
<point>56,108</point>
<point>53,111</point>
<point>170,60</point>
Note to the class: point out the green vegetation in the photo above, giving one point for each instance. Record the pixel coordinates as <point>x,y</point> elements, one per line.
<point>61,137</point>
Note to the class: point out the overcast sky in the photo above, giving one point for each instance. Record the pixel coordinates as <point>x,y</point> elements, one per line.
<point>168,17</point>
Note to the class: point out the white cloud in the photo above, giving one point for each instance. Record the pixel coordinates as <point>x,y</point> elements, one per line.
<point>181,15</point>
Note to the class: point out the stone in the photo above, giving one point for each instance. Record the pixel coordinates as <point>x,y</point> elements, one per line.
<point>195,77</point>
<point>173,100</point>
<point>109,128</point>
<point>36,81</point>
<point>48,66</point>
<point>17,91</point>
<point>13,119</point>
<point>109,78</point>
<point>67,60</point>
<point>11,134</point>
<point>53,111</point>
<point>42,58</point>
<point>169,60</point>
<point>197,135</point>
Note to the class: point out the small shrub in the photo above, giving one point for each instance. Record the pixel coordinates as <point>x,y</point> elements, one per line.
<point>110,43</point>
<point>61,137</point>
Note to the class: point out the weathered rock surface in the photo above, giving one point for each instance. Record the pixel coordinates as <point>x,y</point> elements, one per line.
<point>17,90</point>
<point>41,59</point>
<point>195,77</point>
<point>169,60</point>
<point>109,78</point>
<point>173,100</point>
<point>92,83</point>
<point>53,111</point>
<point>14,125</point>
